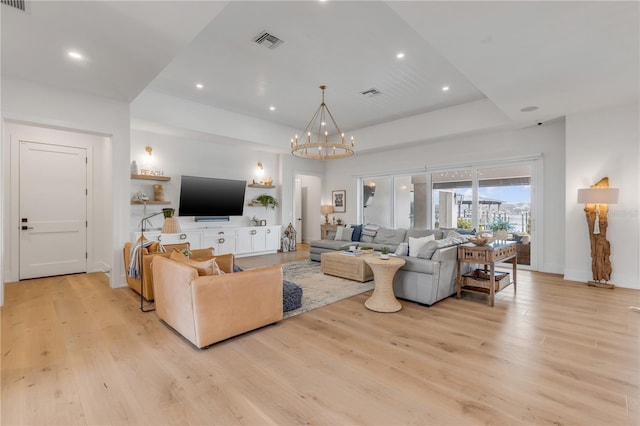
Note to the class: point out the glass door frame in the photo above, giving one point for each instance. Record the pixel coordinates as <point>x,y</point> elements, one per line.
<point>535,162</point>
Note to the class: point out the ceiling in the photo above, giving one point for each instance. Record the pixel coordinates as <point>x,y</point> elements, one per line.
<point>562,57</point>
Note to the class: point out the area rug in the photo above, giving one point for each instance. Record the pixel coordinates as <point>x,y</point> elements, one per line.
<point>319,289</point>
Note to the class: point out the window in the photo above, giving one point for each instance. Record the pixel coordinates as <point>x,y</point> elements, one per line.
<point>458,197</point>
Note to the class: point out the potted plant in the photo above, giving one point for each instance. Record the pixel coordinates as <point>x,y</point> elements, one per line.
<point>384,253</point>
<point>267,201</point>
<point>501,228</point>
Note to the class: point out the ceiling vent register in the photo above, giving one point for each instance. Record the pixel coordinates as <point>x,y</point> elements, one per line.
<point>268,40</point>
<point>18,4</point>
<point>371,92</point>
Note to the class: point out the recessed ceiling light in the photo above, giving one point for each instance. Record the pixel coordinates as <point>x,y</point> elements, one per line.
<point>400,55</point>
<point>199,85</point>
<point>529,108</point>
<point>445,88</point>
<point>75,55</point>
<point>272,108</point>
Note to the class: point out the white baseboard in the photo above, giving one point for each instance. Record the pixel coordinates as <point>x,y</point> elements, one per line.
<point>619,280</point>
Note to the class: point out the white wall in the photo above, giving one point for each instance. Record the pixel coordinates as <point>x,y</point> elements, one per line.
<point>598,144</point>
<point>47,106</point>
<point>547,140</point>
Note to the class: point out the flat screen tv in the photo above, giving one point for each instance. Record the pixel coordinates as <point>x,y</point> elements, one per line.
<point>211,198</point>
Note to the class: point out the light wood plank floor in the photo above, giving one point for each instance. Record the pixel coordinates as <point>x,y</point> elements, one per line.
<point>75,351</point>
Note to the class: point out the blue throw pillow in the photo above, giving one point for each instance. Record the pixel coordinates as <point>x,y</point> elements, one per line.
<point>466,231</point>
<point>357,232</point>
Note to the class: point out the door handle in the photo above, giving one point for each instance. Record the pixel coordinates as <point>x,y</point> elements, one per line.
<point>25,228</point>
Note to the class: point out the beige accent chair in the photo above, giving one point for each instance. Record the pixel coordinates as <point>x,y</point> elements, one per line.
<point>209,309</point>
<point>148,257</point>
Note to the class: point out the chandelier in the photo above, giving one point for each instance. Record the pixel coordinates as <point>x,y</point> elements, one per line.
<point>318,142</point>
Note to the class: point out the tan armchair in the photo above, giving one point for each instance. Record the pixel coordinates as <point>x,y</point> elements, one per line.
<point>147,257</point>
<point>208,309</point>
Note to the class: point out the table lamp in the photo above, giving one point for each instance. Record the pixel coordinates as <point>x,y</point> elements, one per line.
<point>326,210</point>
<point>597,199</point>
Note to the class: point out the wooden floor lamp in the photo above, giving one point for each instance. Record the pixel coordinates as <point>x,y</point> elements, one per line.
<point>597,199</point>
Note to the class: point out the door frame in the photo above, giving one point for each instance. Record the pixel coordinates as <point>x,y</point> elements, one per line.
<point>16,132</point>
<point>311,224</point>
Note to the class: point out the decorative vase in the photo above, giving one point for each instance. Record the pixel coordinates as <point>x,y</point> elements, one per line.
<point>158,192</point>
<point>167,212</point>
<point>134,167</point>
<point>384,256</point>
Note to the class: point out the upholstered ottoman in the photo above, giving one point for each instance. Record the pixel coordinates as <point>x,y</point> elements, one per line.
<point>291,296</point>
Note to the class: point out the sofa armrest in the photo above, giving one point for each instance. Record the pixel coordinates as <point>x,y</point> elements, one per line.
<point>173,295</point>
<point>232,304</point>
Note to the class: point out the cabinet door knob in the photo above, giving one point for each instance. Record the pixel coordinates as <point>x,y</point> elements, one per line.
<point>221,233</point>
<point>159,237</point>
<point>268,231</point>
<point>183,236</point>
<point>221,240</point>
<point>253,232</point>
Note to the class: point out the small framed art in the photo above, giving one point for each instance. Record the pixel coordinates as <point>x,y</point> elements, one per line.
<point>339,201</point>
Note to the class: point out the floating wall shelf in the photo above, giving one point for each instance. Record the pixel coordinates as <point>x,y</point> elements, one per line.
<point>164,203</point>
<point>258,185</point>
<point>151,177</point>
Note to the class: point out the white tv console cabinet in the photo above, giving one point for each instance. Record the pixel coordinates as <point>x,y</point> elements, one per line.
<point>241,241</point>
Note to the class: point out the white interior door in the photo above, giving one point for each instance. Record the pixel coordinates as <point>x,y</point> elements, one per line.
<point>53,210</point>
<point>298,210</point>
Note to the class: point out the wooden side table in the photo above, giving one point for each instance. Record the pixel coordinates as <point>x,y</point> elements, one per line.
<point>325,228</point>
<point>488,256</point>
<point>383,299</point>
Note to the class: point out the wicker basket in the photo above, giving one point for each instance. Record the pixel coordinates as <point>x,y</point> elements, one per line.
<point>480,278</point>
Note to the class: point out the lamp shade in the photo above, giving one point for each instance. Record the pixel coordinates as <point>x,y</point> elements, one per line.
<point>171,226</point>
<point>598,196</point>
<point>326,209</point>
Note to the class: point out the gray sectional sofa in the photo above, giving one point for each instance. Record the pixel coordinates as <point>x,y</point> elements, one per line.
<point>425,279</point>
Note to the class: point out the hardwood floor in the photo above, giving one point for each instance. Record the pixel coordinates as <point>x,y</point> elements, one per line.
<point>75,351</point>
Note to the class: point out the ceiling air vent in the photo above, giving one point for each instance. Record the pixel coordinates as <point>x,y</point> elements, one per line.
<point>268,40</point>
<point>18,4</point>
<point>371,92</point>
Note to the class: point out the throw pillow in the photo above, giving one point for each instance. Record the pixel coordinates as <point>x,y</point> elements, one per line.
<point>403,249</point>
<point>415,244</point>
<point>466,231</point>
<point>357,232</point>
<point>427,250</point>
<point>236,268</point>
<point>154,247</point>
<point>347,234</point>
<point>343,233</point>
<point>204,267</point>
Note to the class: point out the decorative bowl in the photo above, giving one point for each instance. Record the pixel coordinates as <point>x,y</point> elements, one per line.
<point>480,241</point>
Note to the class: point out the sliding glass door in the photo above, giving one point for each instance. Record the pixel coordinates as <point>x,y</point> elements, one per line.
<point>483,198</point>
<point>471,197</point>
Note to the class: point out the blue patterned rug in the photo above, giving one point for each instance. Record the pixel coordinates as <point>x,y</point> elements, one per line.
<point>319,289</point>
